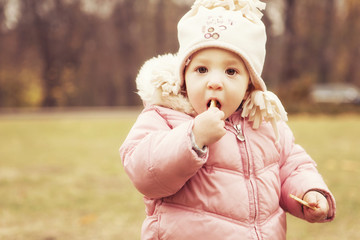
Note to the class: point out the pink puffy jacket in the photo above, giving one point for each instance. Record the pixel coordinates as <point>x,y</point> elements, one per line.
<point>239,190</point>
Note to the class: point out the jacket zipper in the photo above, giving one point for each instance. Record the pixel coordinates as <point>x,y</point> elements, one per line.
<point>239,132</point>
<point>241,137</point>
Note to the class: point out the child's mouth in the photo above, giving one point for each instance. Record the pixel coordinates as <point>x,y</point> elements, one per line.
<point>213,103</point>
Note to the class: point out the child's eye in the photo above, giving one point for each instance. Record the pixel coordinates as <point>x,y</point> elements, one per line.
<point>202,70</point>
<point>231,71</point>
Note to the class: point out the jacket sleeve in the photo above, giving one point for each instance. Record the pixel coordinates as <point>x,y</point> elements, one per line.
<point>298,175</point>
<point>158,159</point>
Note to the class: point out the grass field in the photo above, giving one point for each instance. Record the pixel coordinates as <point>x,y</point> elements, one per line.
<point>61,176</point>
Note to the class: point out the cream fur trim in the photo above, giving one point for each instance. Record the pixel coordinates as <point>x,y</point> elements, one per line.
<point>157,83</point>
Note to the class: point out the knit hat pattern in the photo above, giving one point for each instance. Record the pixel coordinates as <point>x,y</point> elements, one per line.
<point>234,25</point>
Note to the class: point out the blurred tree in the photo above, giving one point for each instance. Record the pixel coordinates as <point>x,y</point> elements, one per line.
<point>350,35</point>
<point>58,53</point>
<point>2,18</point>
<point>160,28</point>
<point>326,55</point>
<point>311,29</point>
<point>60,31</point>
<point>2,14</point>
<point>129,37</point>
<point>143,30</point>
<point>291,43</point>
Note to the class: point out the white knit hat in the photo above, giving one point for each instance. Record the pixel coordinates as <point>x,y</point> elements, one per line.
<point>234,25</point>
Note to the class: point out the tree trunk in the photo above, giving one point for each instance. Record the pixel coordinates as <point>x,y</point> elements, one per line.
<point>51,71</point>
<point>160,27</point>
<point>326,54</point>
<point>351,29</point>
<point>128,38</point>
<point>290,70</point>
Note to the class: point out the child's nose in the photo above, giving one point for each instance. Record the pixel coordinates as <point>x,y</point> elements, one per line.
<point>215,82</point>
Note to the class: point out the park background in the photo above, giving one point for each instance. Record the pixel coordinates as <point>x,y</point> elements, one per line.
<point>68,99</point>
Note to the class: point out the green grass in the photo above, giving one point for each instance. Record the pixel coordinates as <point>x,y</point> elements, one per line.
<point>334,143</point>
<point>61,176</point>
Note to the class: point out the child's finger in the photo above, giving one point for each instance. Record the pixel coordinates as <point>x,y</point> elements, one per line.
<point>218,113</point>
<point>221,114</point>
<point>322,208</point>
<point>317,215</point>
<point>323,204</point>
<point>311,199</point>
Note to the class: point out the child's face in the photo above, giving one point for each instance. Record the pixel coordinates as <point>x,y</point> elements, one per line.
<point>218,74</point>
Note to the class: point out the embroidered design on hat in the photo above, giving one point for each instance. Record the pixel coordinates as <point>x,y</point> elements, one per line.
<point>215,25</point>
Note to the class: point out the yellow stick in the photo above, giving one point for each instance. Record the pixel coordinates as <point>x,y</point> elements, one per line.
<point>302,202</point>
<point>213,103</point>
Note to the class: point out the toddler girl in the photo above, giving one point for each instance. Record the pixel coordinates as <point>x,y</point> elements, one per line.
<point>211,151</point>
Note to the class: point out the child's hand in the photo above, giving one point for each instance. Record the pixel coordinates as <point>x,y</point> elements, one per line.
<point>317,200</point>
<point>209,126</point>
